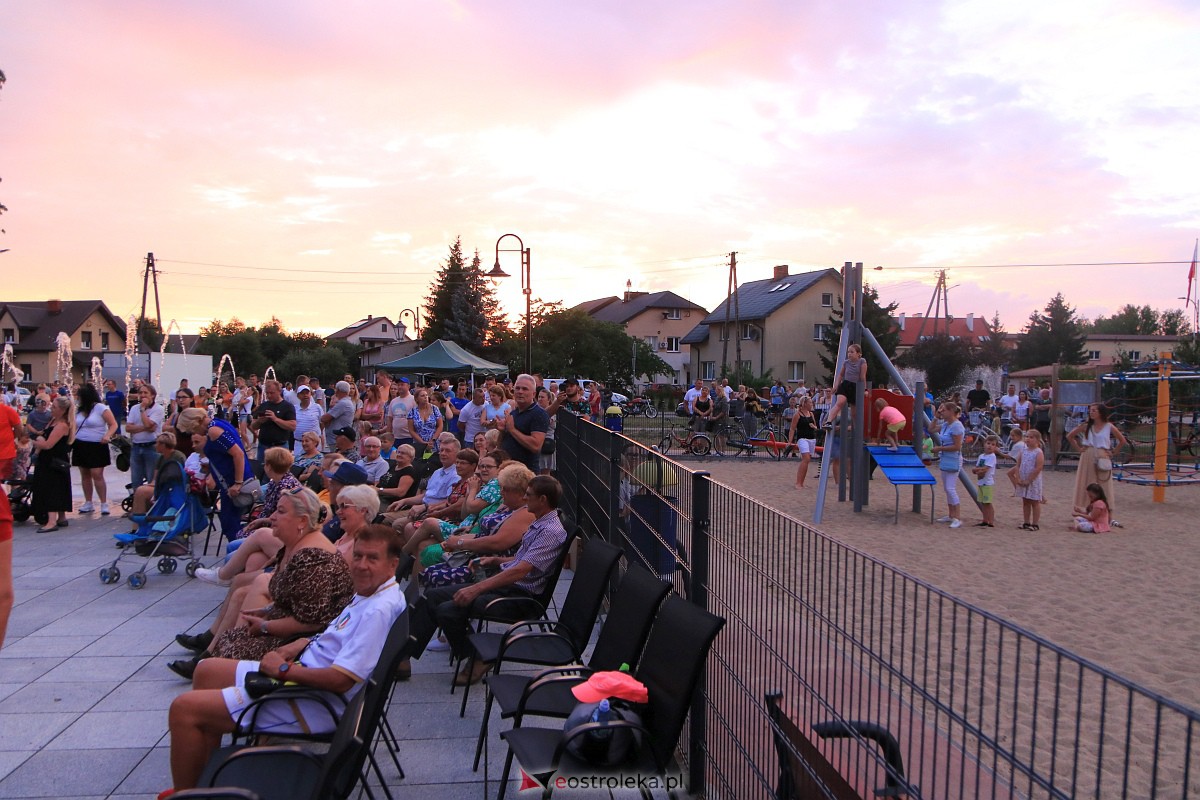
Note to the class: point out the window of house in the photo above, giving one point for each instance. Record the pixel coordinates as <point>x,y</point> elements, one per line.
<point>796,371</point>
<point>827,299</point>
<point>708,370</point>
<point>747,330</point>
<point>671,313</point>
<point>672,344</point>
<point>1093,355</point>
<point>27,369</point>
<point>85,340</point>
<point>383,327</point>
<point>103,340</point>
<point>724,333</point>
<point>779,287</point>
<point>652,342</point>
<point>1135,356</point>
<point>10,335</point>
<point>819,331</point>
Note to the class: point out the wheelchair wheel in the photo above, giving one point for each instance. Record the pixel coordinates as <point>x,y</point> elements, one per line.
<point>167,565</point>
<point>137,580</point>
<point>127,504</point>
<point>191,567</point>
<point>700,445</point>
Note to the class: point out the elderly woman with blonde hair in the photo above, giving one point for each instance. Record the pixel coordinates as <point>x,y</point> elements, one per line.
<point>307,586</point>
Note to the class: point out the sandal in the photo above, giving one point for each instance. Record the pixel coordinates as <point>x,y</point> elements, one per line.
<point>1034,528</point>
<point>1024,527</point>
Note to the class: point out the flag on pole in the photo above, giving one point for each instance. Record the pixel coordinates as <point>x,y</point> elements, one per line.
<point>1192,271</point>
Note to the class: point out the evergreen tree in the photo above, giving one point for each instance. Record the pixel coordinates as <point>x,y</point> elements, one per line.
<point>994,352</point>
<point>439,307</point>
<point>878,320</point>
<point>462,305</point>
<point>1053,337</point>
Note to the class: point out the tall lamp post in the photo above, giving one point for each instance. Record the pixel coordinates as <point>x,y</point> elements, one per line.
<point>497,272</point>
<point>416,315</point>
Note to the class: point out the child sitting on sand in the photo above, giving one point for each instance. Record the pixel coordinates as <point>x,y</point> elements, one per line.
<point>1094,518</point>
<point>985,474</point>
<point>894,421</point>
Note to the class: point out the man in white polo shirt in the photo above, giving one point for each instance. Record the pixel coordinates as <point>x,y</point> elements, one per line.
<point>336,662</point>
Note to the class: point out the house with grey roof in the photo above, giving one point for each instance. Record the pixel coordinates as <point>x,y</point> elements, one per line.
<point>660,318</point>
<point>779,323</point>
<point>32,329</point>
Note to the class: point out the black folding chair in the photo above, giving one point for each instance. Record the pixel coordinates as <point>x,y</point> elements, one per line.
<point>378,693</point>
<point>621,639</point>
<point>546,643</point>
<point>670,668</point>
<point>516,608</point>
<point>287,772</point>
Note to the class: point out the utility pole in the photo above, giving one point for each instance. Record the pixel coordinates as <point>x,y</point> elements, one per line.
<point>148,275</point>
<point>937,302</point>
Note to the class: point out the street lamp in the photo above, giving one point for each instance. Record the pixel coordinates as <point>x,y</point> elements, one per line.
<point>416,315</point>
<point>525,288</point>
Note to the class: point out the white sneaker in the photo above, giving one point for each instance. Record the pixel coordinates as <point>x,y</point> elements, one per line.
<point>956,523</point>
<point>1115,524</point>
<point>942,519</point>
<point>210,575</point>
<point>104,512</point>
<point>437,645</point>
<point>86,508</point>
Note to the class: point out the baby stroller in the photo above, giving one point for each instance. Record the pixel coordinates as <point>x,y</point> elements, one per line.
<point>165,532</point>
<point>20,497</point>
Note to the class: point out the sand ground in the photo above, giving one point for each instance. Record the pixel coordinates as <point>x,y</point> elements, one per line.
<point>1128,600</point>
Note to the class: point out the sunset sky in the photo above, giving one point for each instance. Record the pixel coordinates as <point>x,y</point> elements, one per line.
<point>315,160</point>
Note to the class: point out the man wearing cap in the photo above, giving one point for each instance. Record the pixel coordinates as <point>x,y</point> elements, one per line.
<point>343,444</point>
<point>399,409</point>
<point>340,414</point>
<point>308,417</point>
<point>570,398</point>
<point>523,575</point>
<point>273,420</point>
<point>525,428</point>
<point>375,465</point>
<point>342,473</point>
<point>337,663</point>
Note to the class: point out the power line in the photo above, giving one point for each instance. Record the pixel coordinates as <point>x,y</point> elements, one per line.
<point>1021,266</point>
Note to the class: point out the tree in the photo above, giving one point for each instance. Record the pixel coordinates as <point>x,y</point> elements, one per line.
<point>878,320</point>
<point>1144,321</point>
<point>994,352</point>
<point>150,332</point>
<point>1053,337</point>
<point>569,343</point>
<point>252,350</point>
<point>462,304</point>
<point>943,358</point>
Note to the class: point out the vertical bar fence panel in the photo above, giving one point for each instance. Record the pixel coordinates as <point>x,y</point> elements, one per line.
<point>872,667</point>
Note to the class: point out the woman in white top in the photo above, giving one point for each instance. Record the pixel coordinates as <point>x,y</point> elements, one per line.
<point>1021,410</point>
<point>243,407</point>
<point>1094,439</point>
<point>95,426</point>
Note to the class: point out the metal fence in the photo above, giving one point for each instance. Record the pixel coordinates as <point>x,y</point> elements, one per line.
<point>978,707</point>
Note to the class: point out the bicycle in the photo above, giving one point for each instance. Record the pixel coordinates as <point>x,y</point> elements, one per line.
<point>697,443</point>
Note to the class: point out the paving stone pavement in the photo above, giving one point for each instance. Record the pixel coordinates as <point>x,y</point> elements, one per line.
<point>84,685</point>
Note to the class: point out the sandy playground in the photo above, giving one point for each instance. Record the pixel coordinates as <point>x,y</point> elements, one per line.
<point>1128,600</point>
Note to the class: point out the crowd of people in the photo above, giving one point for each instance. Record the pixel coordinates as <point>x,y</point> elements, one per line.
<point>372,498</point>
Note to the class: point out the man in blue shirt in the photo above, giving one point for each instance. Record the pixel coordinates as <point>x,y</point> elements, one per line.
<point>115,400</point>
